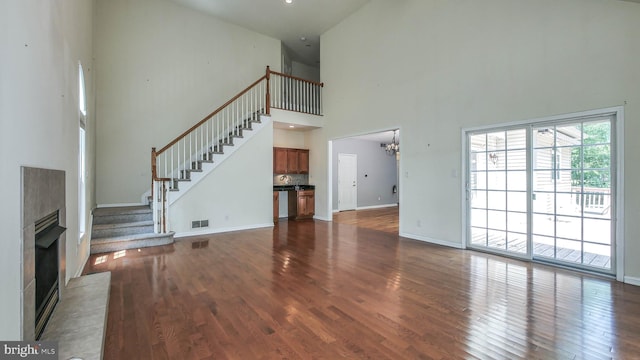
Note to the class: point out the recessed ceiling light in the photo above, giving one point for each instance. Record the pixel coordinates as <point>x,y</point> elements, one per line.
<point>302,38</point>
<point>288,1</point>
<point>291,126</point>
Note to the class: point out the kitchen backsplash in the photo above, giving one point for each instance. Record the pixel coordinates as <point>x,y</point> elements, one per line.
<point>291,179</point>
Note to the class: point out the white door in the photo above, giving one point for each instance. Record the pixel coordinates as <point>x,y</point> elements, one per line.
<point>347,182</point>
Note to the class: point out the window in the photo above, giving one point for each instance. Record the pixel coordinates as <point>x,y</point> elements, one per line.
<point>82,155</point>
<point>555,160</point>
<point>82,102</point>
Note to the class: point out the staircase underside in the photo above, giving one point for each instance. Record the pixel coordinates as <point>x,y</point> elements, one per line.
<point>123,228</point>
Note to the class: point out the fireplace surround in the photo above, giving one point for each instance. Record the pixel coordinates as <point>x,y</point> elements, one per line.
<point>43,194</point>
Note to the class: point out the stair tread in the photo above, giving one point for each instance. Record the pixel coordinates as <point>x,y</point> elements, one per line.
<point>131,242</point>
<point>122,210</point>
<point>133,237</point>
<point>122,225</point>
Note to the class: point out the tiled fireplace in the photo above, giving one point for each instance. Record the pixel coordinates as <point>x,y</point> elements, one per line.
<point>43,194</point>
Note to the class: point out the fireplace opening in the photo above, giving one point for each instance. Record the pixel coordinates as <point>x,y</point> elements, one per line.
<point>48,231</point>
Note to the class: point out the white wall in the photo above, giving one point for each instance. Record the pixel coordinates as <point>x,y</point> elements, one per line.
<point>41,43</point>
<point>237,195</point>
<point>305,71</point>
<point>161,68</point>
<point>289,139</point>
<point>435,67</point>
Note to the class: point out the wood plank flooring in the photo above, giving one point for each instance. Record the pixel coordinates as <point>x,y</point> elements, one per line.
<point>382,219</point>
<point>321,290</point>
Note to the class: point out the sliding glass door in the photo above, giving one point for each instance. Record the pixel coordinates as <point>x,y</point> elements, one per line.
<point>498,191</point>
<point>544,191</point>
<point>572,194</point>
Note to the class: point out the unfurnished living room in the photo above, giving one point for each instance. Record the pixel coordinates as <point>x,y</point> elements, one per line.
<point>301,179</point>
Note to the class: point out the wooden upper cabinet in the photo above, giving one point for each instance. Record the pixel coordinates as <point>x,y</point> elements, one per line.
<point>290,161</point>
<point>303,161</point>
<point>279,161</point>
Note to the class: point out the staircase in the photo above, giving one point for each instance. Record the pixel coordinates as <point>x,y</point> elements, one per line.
<point>121,228</point>
<point>194,154</point>
<point>214,154</point>
<point>183,162</point>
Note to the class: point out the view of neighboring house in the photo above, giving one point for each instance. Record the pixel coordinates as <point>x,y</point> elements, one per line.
<point>485,91</point>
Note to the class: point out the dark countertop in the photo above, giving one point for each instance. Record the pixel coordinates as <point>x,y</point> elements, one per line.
<point>293,187</point>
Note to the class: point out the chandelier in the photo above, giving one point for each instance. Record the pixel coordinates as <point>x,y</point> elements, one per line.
<point>392,148</point>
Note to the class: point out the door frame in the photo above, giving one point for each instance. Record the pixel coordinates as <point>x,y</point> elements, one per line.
<point>617,128</point>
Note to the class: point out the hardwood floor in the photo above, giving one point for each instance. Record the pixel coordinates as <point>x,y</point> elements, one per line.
<point>382,219</point>
<point>313,289</point>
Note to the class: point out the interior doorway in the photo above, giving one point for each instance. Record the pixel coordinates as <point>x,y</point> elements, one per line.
<point>377,164</point>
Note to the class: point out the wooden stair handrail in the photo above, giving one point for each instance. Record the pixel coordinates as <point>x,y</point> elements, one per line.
<point>298,78</point>
<point>184,134</point>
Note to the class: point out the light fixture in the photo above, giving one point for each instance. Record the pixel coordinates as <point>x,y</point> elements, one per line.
<point>288,1</point>
<point>393,148</point>
<point>494,158</point>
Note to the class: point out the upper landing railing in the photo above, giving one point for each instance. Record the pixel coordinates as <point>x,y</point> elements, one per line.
<point>187,152</point>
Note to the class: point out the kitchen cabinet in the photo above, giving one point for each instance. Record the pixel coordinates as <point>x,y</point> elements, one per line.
<point>301,204</point>
<point>276,206</point>
<point>303,161</point>
<point>290,161</point>
<point>279,161</point>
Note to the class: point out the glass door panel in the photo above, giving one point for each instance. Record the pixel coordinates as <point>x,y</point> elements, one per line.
<point>497,191</point>
<point>571,199</point>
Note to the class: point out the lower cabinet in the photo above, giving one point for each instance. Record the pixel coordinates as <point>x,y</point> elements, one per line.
<point>301,204</point>
<point>276,206</point>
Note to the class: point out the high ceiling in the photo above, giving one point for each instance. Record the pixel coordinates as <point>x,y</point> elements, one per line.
<point>287,22</point>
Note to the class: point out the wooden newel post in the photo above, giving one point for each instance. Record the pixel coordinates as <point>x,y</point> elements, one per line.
<point>268,98</point>
<point>153,173</point>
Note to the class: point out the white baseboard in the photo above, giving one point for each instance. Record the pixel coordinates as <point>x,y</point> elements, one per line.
<point>370,207</point>
<point>322,218</point>
<point>632,280</point>
<point>376,206</point>
<point>432,240</point>
<point>119,205</point>
<point>221,230</point>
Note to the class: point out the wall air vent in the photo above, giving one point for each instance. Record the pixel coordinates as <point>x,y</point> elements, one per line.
<point>195,224</point>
